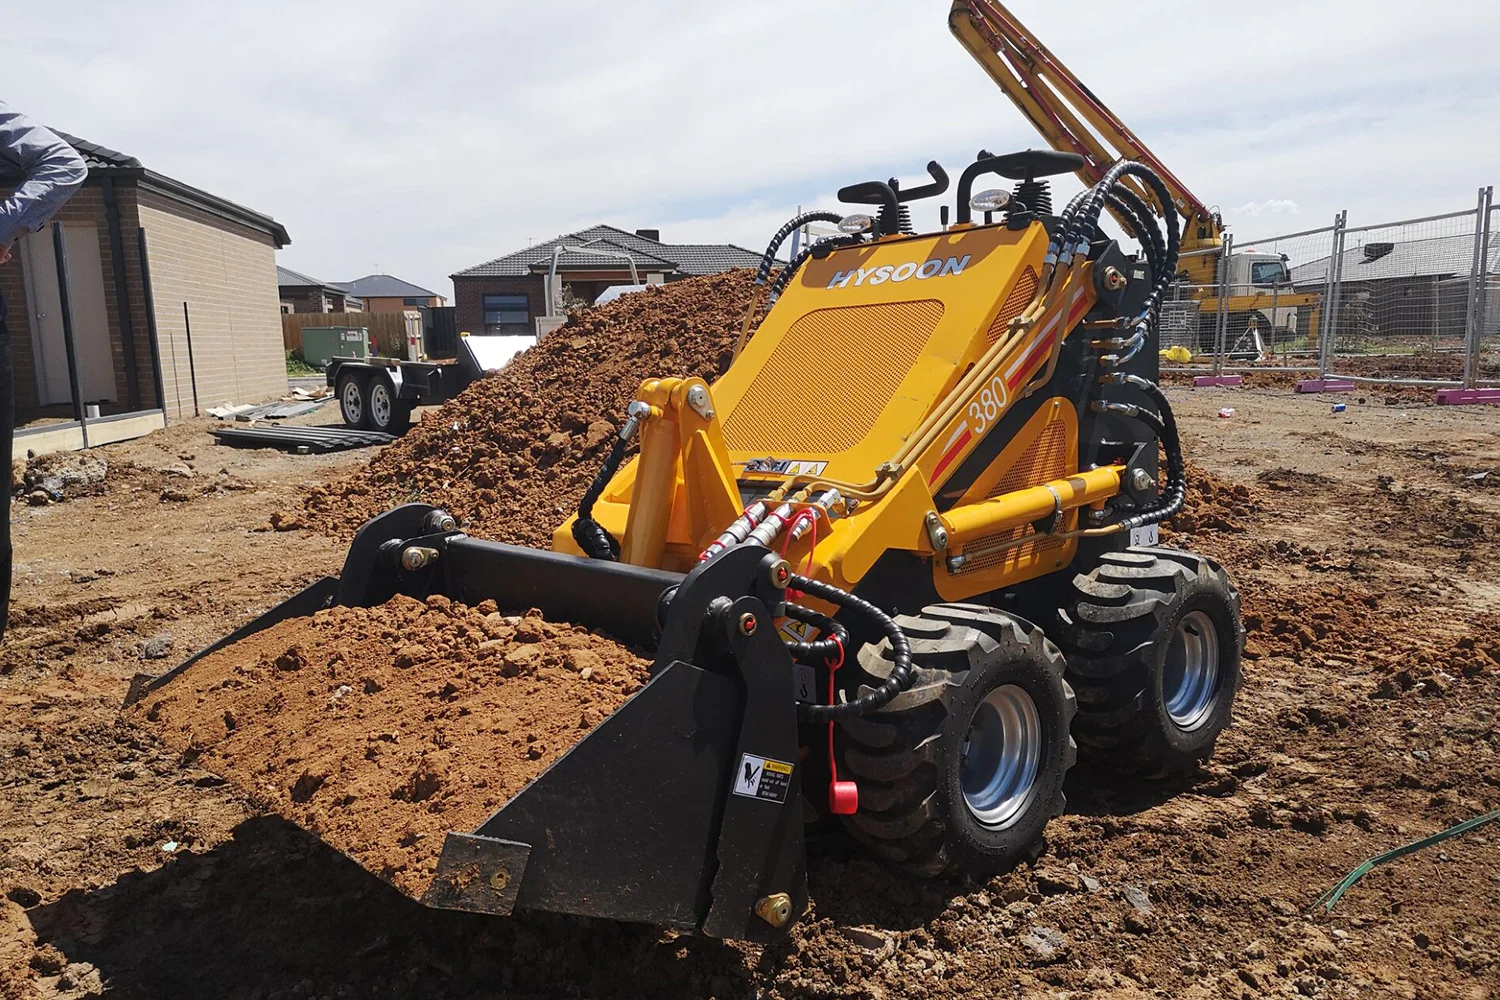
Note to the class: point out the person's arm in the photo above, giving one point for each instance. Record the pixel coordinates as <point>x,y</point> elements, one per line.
<point>53,171</point>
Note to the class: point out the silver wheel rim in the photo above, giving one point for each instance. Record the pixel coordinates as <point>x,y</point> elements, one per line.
<point>380,405</point>
<point>1001,756</point>
<point>354,406</point>
<point>1190,675</point>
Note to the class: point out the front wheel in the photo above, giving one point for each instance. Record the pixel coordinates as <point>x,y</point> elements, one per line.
<point>961,772</point>
<point>1153,639</point>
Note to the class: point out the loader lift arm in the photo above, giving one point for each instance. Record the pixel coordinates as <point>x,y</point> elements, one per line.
<point>1067,114</point>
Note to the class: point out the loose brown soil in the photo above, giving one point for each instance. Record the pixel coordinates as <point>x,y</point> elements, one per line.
<point>380,729</point>
<point>513,453</point>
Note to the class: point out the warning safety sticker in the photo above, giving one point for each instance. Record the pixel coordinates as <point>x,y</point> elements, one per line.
<point>760,778</point>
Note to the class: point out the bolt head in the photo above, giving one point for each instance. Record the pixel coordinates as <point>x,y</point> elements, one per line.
<point>781,574</point>
<point>748,624</point>
<point>1140,479</point>
<point>775,909</point>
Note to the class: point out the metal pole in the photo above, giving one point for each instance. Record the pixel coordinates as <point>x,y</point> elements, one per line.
<point>1222,326</point>
<point>67,325</point>
<point>1275,317</point>
<point>1478,278</point>
<point>150,304</point>
<point>187,325</point>
<point>1330,288</point>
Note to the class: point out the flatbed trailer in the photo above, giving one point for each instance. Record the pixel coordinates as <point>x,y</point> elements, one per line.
<point>379,393</point>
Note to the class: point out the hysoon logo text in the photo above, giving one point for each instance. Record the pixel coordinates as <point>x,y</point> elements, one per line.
<point>934,268</point>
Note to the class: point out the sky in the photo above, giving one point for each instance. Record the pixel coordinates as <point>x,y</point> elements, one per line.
<point>419,138</point>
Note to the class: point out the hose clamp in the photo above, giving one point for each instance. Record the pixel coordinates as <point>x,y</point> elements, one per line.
<point>1051,525</point>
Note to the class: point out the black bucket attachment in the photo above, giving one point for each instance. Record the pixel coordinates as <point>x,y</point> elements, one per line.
<point>682,809</point>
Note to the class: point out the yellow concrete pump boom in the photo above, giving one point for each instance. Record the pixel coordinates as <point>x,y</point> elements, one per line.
<point>1067,114</point>
<point>1073,119</point>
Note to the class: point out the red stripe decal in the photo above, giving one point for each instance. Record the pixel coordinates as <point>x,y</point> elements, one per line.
<point>1042,347</point>
<point>951,454</point>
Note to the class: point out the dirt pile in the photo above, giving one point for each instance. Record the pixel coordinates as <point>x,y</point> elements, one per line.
<point>513,453</point>
<point>380,729</point>
<point>1212,503</point>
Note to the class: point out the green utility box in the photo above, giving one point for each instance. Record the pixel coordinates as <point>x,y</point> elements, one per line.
<point>319,343</point>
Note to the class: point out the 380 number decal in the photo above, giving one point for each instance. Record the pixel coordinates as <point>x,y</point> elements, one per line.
<point>987,405</point>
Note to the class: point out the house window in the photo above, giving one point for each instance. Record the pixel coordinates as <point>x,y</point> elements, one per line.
<point>507,314</point>
<point>410,301</point>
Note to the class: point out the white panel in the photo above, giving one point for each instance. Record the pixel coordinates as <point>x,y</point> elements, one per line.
<point>495,352</point>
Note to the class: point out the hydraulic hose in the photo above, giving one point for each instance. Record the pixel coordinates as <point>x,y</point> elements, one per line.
<point>587,532</point>
<point>1164,424</point>
<point>900,677</point>
<point>768,259</point>
<point>590,535</point>
<point>779,283</point>
<point>835,637</point>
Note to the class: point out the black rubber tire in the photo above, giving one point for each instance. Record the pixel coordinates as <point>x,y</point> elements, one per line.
<point>399,410</point>
<point>1116,628</point>
<point>354,415</point>
<point>906,757</point>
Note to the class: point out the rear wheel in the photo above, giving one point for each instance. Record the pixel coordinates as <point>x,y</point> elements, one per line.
<point>353,391</point>
<point>961,772</point>
<point>1153,640</point>
<point>386,412</point>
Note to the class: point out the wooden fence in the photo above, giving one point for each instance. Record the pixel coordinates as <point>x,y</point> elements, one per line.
<point>387,329</point>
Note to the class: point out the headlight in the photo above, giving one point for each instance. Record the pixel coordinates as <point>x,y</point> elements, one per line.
<point>852,224</point>
<point>991,200</point>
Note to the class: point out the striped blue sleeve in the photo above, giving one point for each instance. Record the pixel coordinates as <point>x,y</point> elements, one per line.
<point>52,169</point>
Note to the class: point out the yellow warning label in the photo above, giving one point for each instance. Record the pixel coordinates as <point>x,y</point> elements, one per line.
<point>778,767</point>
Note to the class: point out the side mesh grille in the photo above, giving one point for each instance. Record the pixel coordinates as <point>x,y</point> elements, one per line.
<point>1019,298</point>
<point>831,376</point>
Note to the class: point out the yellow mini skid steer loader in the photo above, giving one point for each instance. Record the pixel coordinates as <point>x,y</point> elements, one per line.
<point>892,565</point>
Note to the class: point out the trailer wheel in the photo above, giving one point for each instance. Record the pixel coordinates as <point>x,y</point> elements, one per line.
<point>386,411</point>
<point>1153,639</point>
<point>961,772</point>
<point>353,393</point>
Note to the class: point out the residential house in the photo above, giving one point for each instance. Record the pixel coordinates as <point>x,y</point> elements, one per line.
<point>173,306</point>
<point>301,293</point>
<point>1414,289</point>
<point>509,294</point>
<point>384,293</point>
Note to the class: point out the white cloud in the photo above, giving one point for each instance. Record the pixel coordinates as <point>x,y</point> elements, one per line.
<point>1271,206</point>
<point>425,137</point>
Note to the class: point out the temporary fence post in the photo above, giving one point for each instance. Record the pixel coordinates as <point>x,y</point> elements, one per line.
<point>1327,327</point>
<point>1478,279</point>
<point>1221,326</point>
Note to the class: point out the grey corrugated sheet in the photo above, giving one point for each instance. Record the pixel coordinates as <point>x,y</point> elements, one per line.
<point>314,438</point>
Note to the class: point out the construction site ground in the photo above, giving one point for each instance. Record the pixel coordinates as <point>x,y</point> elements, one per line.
<point>1364,544</point>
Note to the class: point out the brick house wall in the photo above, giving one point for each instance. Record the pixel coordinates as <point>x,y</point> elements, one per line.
<point>469,293</point>
<point>226,273</point>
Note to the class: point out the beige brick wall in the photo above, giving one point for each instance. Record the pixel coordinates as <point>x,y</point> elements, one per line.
<point>226,273</point>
